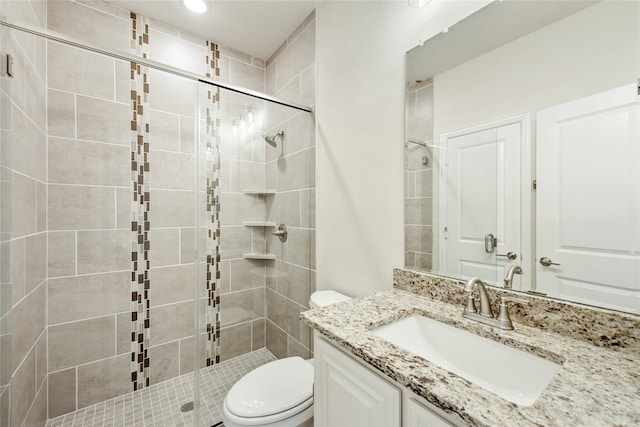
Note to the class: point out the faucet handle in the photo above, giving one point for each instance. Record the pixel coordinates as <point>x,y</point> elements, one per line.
<point>503,314</point>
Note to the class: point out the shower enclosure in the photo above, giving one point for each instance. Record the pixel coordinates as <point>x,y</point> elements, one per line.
<point>139,197</point>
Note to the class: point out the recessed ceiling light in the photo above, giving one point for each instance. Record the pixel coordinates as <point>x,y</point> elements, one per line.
<point>196,6</point>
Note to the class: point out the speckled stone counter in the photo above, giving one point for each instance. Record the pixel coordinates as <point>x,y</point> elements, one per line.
<point>596,386</point>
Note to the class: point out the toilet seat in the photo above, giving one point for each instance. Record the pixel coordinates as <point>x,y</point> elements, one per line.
<point>270,393</point>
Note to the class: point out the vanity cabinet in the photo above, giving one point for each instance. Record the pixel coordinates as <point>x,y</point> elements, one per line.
<point>349,393</point>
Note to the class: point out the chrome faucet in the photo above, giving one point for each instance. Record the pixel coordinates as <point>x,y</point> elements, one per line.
<point>508,279</point>
<point>501,320</point>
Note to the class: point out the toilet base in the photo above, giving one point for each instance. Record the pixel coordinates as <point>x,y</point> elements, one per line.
<point>301,419</point>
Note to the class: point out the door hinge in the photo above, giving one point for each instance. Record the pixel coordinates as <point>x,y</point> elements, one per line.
<point>534,184</point>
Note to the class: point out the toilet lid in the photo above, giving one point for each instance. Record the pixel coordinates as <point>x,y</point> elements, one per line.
<point>272,388</point>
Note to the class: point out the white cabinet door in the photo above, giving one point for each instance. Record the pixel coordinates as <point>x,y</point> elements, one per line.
<point>588,200</point>
<point>349,395</point>
<point>417,415</point>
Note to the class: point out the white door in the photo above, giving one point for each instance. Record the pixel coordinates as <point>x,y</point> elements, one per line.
<point>481,188</point>
<point>588,200</point>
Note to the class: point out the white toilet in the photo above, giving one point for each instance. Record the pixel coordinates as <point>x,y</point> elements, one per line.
<point>280,393</point>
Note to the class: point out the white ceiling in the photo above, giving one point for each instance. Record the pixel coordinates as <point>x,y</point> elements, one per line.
<point>256,27</point>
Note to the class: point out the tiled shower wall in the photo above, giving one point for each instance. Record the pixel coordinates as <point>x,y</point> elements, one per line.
<point>24,175</point>
<point>291,172</point>
<point>89,204</point>
<point>419,177</point>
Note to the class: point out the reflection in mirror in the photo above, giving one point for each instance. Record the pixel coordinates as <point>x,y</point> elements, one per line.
<point>523,150</point>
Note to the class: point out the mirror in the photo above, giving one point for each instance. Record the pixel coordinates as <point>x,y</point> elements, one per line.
<point>523,149</point>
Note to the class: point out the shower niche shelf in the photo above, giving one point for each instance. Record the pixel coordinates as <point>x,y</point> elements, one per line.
<point>258,192</point>
<point>259,256</point>
<point>259,224</point>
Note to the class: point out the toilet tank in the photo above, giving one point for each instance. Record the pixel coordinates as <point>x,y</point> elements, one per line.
<point>323,298</point>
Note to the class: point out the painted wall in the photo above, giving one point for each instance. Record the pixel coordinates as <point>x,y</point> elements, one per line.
<point>360,131</point>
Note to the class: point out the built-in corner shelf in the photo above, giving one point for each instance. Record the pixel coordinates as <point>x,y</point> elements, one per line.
<point>259,256</point>
<point>259,224</point>
<point>258,192</point>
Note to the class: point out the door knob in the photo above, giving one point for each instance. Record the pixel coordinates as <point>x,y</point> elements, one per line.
<point>547,261</point>
<point>509,255</point>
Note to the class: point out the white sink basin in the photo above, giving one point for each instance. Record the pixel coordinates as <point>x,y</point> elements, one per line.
<point>512,374</point>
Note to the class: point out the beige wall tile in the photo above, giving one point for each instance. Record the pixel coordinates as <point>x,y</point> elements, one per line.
<point>79,207</point>
<point>308,86</point>
<point>37,415</point>
<point>235,241</point>
<point>103,380</point>
<point>297,171</point>
<point>62,253</point>
<point>187,134</point>
<point>300,53</point>
<point>284,313</point>
<point>187,251</point>
<point>62,392</point>
<point>284,208</point>
<point>171,322</point>
<point>88,163</point>
<point>176,52</point>
<point>300,133</point>
<point>301,247</point>
<point>172,284</point>
<point>123,80</point>
<point>171,171</point>
<point>246,175</point>
<point>41,360</point>
<point>164,130</point>
<point>239,307</point>
<point>28,323</point>
<point>247,274</point>
<point>105,121</point>
<point>17,270</point>
<point>23,205</point>
<point>165,246</point>
<point>294,348</point>
<point>246,75</point>
<point>35,261</point>
<point>41,206</point>
<point>271,78</point>
<point>123,332</point>
<point>308,208</point>
<point>164,362</point>
<point>88,24</point>
<point>81,342</point>
<point>173,94</point>
<point>172,208</point>
<point>187,356</point>
<point>79,71</point>
<point>61,114</point>
<point>239,207</point>
<point>82,297</point>
<point>258,334</point>
<point>29,146</point>
<point>124,197</point>
<point>235,340</point>
<point>294,282</point>
<point>23,389</point>
<point>104,250</point>
<point>276,340</point>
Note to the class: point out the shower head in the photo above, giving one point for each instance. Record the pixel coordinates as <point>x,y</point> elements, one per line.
<point>271,140</point>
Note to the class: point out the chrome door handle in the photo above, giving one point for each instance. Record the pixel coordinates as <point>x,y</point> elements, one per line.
<point>509,255</point>
<point>547,261</point>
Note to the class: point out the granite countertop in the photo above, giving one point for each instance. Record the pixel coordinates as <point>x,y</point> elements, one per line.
<point>596,386</point>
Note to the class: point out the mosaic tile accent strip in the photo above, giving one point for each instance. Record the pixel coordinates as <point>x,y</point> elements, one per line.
<point>159,405</point>
<point>140,205</point>
<point>212,138</point>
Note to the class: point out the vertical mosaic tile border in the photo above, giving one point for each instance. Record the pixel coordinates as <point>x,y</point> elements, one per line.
<point>140,205</point>
<point>212,138</point>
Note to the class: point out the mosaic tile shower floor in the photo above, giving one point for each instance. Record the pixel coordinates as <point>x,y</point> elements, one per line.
<point>159,405</point>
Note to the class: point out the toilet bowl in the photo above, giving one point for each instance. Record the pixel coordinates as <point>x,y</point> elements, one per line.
<point>279,393</point>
